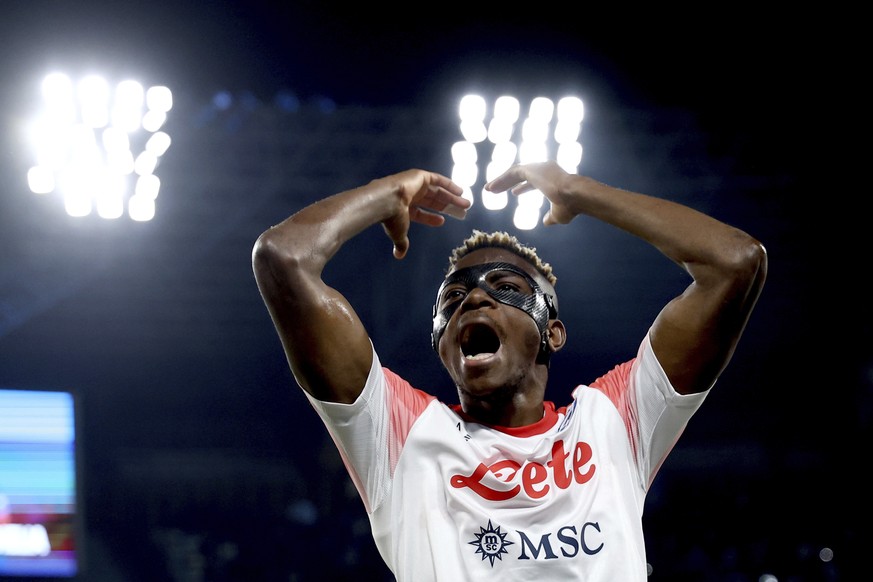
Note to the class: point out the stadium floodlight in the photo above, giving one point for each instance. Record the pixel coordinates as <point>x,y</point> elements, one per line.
<point>550,131</point>
<point>94,142</point>
<point>472,112</point>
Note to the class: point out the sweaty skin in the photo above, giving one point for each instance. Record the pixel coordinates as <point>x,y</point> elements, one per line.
<point>426,488</point>
<point>329,351</point>
<point>506,386</point>
<point>325,342</point>
<point>500,280</point>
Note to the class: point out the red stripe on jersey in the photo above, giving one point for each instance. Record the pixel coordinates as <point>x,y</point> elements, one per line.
<point>405,405</point>
<point>615,384</point>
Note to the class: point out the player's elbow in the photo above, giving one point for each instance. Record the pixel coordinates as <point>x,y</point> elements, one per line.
<point>274,259</point>
<point>747,265</point>
<point>751,261</point>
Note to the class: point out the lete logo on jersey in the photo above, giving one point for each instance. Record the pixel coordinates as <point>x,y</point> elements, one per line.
<point>537,479</point>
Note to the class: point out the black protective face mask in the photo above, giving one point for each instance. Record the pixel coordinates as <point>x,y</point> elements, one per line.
<point>538,305</point>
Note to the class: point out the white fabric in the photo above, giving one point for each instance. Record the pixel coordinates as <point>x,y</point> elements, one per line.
<point>453,500</point>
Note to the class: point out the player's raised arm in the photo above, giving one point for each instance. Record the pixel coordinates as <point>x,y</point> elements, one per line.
<point>325,342</point>
<point>697,332</point>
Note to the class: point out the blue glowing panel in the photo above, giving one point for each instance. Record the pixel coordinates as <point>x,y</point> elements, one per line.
<point>38,535</point>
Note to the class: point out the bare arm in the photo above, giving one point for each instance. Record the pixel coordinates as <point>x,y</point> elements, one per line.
<point>325,342</point>
<point>696,333</point>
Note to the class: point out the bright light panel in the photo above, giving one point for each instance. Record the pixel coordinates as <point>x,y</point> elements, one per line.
<point>94,143</point>
<point>550,131</point>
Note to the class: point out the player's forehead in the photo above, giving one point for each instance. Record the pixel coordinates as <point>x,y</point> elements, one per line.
<point>496,255</point>
<point>502,255</point>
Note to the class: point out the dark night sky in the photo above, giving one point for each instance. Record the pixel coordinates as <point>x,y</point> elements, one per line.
<point>758,79</point>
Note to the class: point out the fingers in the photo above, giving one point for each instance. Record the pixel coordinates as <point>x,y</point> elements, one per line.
<point>522,178</point>
<point>456,211</point>
<point>444,202</point>
<point>446,184</point>
<point>423,216</point>
<point>400,247</point>
<point>543,176</point>
<point>397,230</point>
<point>515,179</point>
<point>441,196</point>
<point>429,197</point>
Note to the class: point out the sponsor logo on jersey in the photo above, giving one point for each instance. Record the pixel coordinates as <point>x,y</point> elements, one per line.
<point>491,543</point>
<point>506,478</point>
<point>565,542</point>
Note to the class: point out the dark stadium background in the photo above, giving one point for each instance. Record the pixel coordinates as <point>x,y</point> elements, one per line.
<point>201,461</point>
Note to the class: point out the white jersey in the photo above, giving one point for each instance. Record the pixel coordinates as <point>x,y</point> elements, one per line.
<point>450,499</point>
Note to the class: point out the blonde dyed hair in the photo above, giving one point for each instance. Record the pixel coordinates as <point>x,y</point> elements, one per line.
<point>500,239</point>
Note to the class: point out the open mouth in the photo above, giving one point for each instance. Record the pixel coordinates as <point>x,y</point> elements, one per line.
<point>479,341</point>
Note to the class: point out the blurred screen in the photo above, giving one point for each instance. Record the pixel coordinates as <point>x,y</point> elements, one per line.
<point>38,484</point>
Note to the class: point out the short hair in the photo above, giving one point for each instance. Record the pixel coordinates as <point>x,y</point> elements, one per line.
<point>503,240</point>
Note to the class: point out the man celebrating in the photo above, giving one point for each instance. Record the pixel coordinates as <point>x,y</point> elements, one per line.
<point>506,485</point>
